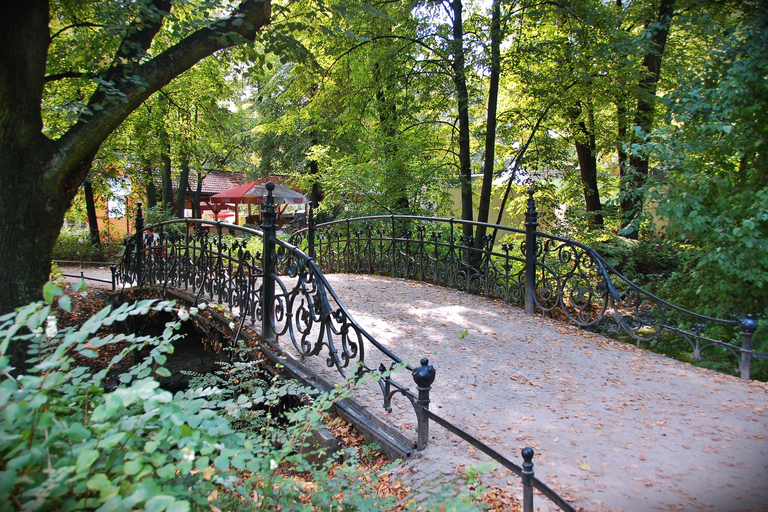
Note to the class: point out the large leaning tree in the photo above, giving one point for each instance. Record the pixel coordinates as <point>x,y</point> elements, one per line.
<point>134,49</point>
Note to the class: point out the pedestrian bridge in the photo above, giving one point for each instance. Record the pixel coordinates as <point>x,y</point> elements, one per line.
<point>612,426</point>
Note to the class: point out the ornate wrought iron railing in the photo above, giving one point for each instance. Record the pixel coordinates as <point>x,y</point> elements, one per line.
<point>268,282</point>
<point>292,299</point>
<point>543,273</point>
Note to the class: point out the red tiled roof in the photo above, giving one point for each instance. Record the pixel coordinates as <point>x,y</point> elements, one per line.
<point>214,181</point>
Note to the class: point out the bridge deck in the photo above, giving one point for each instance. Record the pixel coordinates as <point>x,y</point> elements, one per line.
<point>614,427</point>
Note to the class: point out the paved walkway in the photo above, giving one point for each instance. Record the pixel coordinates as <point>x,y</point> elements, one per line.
<point>614,427</point>
<point>96,277</point>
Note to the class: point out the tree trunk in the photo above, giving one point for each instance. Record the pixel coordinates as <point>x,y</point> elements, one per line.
<point>195,197</point>
<point>167,182</point>
<point>90,209</point>
<point>181,192</point>
<point>460,82</point>
<point>149,184</point>
<point>586,152</point>
<point>314,194</point>
<point>588,170</point>
<point>637,171</point>
<point>484,206</point>
<point>196,200</point>
<point>31,213</point>
<point>622,123</point>
<point>623,129</point>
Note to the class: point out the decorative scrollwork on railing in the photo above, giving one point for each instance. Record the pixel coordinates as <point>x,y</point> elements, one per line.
<point>293,300</point>
<point>214,268</point>
<point>568,280</point>
<point>303,310</point>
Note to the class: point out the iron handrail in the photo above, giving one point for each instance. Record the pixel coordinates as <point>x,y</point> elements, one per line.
<point>563,274</point>
<point>540,486</point>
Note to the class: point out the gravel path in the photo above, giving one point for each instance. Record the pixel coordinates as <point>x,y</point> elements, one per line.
<point>614,427</point>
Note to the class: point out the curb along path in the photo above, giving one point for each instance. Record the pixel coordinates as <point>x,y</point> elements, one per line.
<point>614,427</point>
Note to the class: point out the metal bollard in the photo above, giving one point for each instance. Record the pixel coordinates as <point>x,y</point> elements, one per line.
<point>748,328</point>
<point>531,223</point>
<point>527,453</point>
<point>423,376</point>
<point>268,284</point>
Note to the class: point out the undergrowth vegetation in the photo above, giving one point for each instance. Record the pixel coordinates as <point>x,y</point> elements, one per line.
<point>81,431</point>
<point>67,444</point>
<point>75,245</point>
<point>681,274</point>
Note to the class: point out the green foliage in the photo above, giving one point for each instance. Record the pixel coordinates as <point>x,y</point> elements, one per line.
<point>647,261</point>
<point>56,274</point>
<point>252,245</point>
<point>68,444</point>
<point>267,395</point>
<point>74,245</point>
<point>714,155</point>
<point>156,214</point>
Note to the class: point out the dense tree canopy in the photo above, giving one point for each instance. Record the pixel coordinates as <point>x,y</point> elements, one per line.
<point>630,116</point>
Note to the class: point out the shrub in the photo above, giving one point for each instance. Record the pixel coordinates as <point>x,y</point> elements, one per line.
<point>75,245</point>
<point>67,444</point>
<point>56,275</point>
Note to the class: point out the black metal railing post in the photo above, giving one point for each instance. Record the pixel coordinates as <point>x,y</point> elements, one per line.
<point>139,242</point>
<point>346,247</point>
<point>423,376</point>
<point>268,283</point>
<point>527,476</point>
<point>311,230</point>
<point>393,247</point>
<point>531,223</point>
<point>748,328</point>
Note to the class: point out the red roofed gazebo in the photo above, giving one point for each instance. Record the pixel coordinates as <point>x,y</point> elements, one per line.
<point>255,192</point>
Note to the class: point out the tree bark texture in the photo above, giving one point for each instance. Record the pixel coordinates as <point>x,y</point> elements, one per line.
<point>484,205</point>
<point>90,208</point>
<point>588,170</point>
<point>167,181</point>
<point>39,176</point>
<point>181,191</point>
<point>637,171</point>
<point>622,130</point>
<point>149,184</point>
<point>460,83</point>
<point>314,194</point>
<point>586,153</point>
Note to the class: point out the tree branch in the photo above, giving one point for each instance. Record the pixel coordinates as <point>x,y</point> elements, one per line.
<point>133,47</point>
<point>75,25</point>
<point>86,136</point>
<point>68,74</point>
